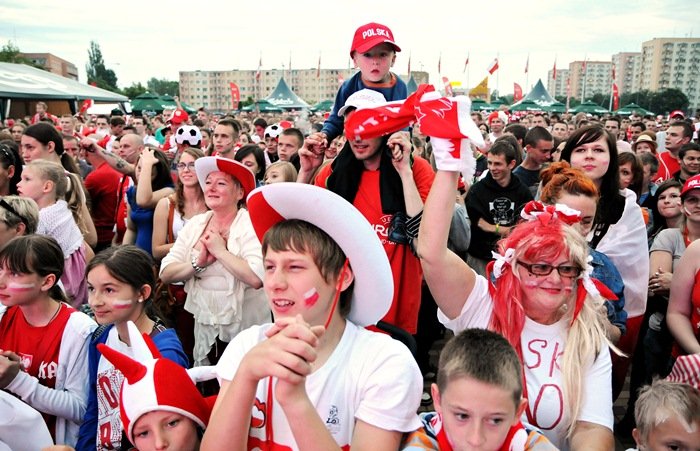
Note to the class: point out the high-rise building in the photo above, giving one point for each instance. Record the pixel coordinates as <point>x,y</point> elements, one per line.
<point>53,64</point>
<point>588,78</point>
<point>557,87</point>
<point>671,63</point>
<point>211,89</point>
<point>627,71</point>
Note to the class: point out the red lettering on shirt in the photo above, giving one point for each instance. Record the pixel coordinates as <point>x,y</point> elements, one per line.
<point>111,398</point>
<point>556,391</point>
<point>541,344</point>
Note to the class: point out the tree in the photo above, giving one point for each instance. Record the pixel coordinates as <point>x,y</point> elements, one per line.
<point>663,102</point>
<point>98,75</point>
<point>135,90</point>
<point>248,101</point>
<point>163,86</point>
<point>641,98</point>
<point>573,101</point>
<point>9,53</point>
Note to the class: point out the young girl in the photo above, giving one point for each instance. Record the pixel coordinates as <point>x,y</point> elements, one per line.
<point>46,183</point>
<point>120,285</point>
<point>280,171</point>
<point>42,141</point>
<point>43,341</point>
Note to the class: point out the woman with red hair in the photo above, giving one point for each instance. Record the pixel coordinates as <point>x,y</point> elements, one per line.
<point>542,300</point>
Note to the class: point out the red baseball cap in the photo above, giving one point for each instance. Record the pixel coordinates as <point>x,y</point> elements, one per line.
<point>677,113</point>
<point>371,35</point>
<point>179,116</point>
<point>690,184</point>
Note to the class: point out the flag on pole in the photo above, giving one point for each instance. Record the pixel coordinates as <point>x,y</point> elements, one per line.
<point>616,97</point>
<point>527,64</point>
<point>409,64</point>
<point>583,66</point>
<point>235,95</point>
<point>517,92</point>
<point>466,63</point>
<point>613,71</point>
<point>258,72</point>
<point>554,70</point>
<point>440,64</point>
<point>448,87</point>
<point>493,67</point>
<point>318,69</point>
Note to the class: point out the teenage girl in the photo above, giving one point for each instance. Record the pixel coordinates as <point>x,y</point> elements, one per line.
<point>120,286</point>
<point>43,340</point>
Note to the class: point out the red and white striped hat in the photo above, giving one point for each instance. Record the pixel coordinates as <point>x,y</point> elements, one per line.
<point>686,370</point>
<point>153,383</point>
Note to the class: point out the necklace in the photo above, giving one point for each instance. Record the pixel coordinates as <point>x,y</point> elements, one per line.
<point>55,314</point>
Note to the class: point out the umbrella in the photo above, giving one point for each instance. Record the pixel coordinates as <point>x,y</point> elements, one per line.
<point>556,107</point>
<point>526,105</point>
<point>631,108</point>
<point>497,103</point>
<point>480,105</point>
<point>148,101</point>
<point>589,107</point>
<point>263,106</point>
<point>170,102</point>
<point>323,105</point>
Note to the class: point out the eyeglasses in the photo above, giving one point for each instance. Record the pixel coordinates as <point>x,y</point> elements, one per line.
<point>182,166</point>
<point>541,269</point>
<point>8,207</point>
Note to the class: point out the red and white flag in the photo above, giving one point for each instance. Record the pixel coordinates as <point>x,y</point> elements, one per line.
<point>258,72</point>
<point>554,70</point>
<point>616,97</point>
<point>466,63</point>
<point>583,66</point>
<point>493,67</point>
<point>527,64</point>
<point>448,87</point>
<point>235,95</point>
<point>517,92</point>
<point>613,71</point>
<point>87,104</point>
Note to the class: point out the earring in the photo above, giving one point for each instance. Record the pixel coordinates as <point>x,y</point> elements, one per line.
<point>140,300</point>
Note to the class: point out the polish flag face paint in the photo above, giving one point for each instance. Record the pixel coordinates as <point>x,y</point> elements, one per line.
<point>122,303</point>
<point>311,297</point>
<point>13,286</point>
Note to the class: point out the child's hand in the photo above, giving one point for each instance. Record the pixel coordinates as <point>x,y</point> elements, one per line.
<point>400,145</point>
<point>287,355</point>
<point>312,152</point>
<point>9,367</point>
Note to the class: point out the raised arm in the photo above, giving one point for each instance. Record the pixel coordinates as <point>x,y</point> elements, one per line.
<point>113,160</point>
<point>450,279</point>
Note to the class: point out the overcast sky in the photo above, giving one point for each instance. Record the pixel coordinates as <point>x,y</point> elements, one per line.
<point>143,39</point>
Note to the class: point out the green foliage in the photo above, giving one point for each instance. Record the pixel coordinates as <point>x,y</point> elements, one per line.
<point>163,86</point>
<point>573,101</point>
<point>659,102</point>
<point>248,101</point>
<point>97,73</point>
<point>10,53</point>
<point>135,90</point>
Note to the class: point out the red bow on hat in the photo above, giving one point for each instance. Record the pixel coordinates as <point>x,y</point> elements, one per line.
<point>536,210</point>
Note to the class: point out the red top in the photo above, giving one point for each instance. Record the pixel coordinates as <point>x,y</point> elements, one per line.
<point>668,165</point>
<point>405,266</point>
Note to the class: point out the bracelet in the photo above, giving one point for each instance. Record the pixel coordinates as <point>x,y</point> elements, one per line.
<point>498,228</point>
<point>197,268</point>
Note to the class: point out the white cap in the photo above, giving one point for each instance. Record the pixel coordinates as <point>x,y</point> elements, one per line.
<point>364,98</point>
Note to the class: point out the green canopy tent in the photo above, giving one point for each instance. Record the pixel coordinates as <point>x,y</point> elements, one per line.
<point>480,105</point>
<point>632,108</point>
<point>557,107</point>
<point>323,105</point>
<point>284,98</point>
<point>496,104</point>
<point>170,101</point>
<point>526,105</point>
<point>538,99</point>
<point>589,107</point>
<point>263,106</point>
<point>148,101</point>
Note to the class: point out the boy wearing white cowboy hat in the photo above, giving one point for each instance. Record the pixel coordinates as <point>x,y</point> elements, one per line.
<point>316,379</point>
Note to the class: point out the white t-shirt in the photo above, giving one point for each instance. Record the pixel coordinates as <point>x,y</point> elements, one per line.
<point>542,348</point>
<point>369,377</point>
<point>109,382</point>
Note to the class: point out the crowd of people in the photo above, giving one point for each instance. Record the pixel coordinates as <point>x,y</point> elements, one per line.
<point>246,281</point>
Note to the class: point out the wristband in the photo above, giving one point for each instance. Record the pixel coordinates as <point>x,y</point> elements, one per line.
<point>197,268</point>
<point>498,228</point>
